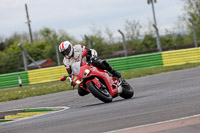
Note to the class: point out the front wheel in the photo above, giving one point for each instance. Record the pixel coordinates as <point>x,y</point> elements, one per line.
<point>127,90</point>
<point>101,93</point>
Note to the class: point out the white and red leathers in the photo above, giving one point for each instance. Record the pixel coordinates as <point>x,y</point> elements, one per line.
<point>77,55</point>
<point>74,54</point>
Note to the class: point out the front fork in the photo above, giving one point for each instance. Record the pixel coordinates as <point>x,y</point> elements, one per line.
<point>119,86</point>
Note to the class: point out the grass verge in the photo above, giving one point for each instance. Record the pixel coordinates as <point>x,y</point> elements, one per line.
<point>33,90</point>
<point>4,120</point>
<point>38,110</point>
<point>156,70</point>
<point>58,86</point>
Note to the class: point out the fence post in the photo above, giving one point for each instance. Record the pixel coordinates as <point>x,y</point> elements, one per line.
<point>24,51</point>
<point>89,41</point>
<point>157,38</point>
<point>124,42</point>
<point>57,54</point>
<point>20,81</point>
<point>194,33</point>
<point>29,23</point>
<point>24,60</point>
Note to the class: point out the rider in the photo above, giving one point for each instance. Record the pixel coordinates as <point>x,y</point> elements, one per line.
<point>74,54</point>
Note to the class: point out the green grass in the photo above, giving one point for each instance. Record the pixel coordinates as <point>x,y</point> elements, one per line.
<point>4,120</point>
<point>33,90</point>
<point>155,70</point>
<point>38,110</point>
<point>58,86</point>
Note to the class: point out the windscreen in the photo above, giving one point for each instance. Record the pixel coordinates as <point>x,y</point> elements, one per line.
<point>76,68</point>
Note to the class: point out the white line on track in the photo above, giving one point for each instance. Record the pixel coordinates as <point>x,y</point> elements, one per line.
<point>50,112</point>
<point>185,123</point>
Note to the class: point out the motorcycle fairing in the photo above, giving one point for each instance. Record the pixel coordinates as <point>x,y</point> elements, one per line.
<point>96,81</point>
<point>111,82</point>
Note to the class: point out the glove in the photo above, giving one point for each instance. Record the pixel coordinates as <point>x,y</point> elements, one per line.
<point>63,78</point>
<point>84,53</point>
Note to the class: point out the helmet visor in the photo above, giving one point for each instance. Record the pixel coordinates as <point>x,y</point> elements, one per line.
<point>67,51</point>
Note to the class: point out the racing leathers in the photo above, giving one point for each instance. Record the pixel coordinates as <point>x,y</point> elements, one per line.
<point>79,52</point>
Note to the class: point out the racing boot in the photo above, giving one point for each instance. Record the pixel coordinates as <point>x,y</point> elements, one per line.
<point>111,70</point>
<point>115,73</point>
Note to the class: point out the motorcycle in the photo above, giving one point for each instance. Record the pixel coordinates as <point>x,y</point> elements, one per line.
<point>99,82</point>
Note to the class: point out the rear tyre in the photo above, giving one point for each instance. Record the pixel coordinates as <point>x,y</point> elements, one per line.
<point>127,90</point>
<point>101,93</point>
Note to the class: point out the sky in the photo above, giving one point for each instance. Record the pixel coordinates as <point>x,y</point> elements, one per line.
<point>77,17</point>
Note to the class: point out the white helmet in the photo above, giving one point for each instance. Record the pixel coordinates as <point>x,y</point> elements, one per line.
<point>66,49</point>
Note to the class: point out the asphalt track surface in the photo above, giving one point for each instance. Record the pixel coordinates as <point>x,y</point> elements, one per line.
<point>157,98</point>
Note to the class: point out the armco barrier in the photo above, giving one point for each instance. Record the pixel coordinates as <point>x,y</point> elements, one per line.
<point>179,57</point>
<point>136,62</point>
<point>46,74</point>
<point>11,79</point>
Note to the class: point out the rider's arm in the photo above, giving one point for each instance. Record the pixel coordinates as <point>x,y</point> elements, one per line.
<point>63,78</point>
<point>86,51</point>
<point>69,71</point>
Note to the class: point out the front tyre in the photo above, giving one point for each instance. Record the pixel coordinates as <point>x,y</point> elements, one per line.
<point>127,90</point>
<point>82,92</point>
<point>101,93</point>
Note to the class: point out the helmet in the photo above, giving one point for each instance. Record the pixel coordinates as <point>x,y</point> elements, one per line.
<point>66,49</point>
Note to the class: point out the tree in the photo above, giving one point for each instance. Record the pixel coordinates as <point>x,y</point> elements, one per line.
<point>10,59</point>
<point>132,28</point>
<point>2,46</point>
<point>110,35</point>
<point>63,35</point>
<point>98,42</point>
<point>11,40</point>
<point>149,42</point>
<point>192,11</point>
<point>150,30</point>
<point>167,40</point>
<point>47,33</point>
<point>155,24</point>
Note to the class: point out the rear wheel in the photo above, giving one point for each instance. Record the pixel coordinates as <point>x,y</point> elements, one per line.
<point>127,90</point>
<point>101,93</point>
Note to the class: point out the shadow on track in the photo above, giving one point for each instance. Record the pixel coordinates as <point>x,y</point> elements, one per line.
<point>115,101</point>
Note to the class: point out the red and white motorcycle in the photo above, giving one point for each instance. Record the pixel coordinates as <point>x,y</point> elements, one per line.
<point>100,83</point>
